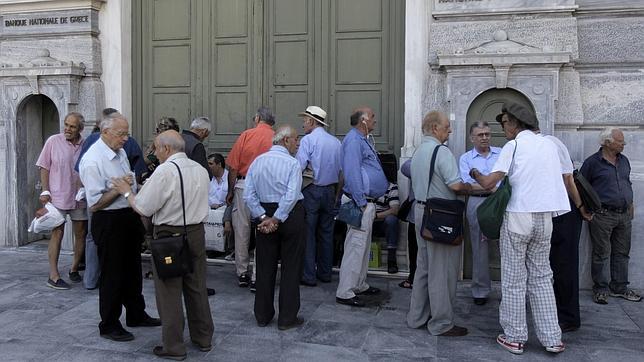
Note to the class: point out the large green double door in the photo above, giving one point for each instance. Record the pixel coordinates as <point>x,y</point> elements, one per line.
<point>224,58</point>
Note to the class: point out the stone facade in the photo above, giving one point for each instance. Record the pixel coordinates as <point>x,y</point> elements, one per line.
<point>579,63</point>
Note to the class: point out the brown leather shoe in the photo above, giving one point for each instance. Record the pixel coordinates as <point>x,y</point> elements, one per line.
<point>456,331</point>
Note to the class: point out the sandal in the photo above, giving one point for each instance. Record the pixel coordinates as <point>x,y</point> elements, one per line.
<point>405,284</point>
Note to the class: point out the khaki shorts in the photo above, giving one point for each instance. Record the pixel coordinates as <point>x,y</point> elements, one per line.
<point>74,214</point>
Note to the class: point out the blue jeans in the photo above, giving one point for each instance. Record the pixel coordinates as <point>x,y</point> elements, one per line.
<point>92,266</point>
<point>610,234</point>
<point>319,203</point>
<point>390,228</point>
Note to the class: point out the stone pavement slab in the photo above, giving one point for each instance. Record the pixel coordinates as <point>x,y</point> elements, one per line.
<point>38,323</point>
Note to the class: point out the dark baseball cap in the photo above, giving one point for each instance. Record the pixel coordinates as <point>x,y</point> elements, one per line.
<point>519,112</point>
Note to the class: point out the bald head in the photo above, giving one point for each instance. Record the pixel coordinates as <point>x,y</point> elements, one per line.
<point>168,143</point>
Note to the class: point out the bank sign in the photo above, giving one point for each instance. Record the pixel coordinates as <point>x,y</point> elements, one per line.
<point>46,23</point>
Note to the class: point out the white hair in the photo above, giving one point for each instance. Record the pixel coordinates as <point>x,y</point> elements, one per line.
<point>108,121</point>
<point>606,135</point>
<point>200,123</point>
<point>283,132</point>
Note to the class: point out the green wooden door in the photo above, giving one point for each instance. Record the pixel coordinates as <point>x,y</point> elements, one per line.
<point>224,58</point>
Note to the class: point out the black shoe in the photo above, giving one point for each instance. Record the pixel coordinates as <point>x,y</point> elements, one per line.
<point>370,291</point>
<point>456,331</point>
<point>392,265</point>
<point>252,287</point>
<point>210,291</point>
<point>480,301</point>
<point>159,352</point>
<point>325,280</point>
<point>298,322</point>
<point>75,276</point>
<point>262,324</point>
<point>81,266</point>
<point>147,321</point>
<point>308,284</point>
<point>354,302</point>
<point>118,335</point>
<point>565,327</point>
<point>244,279</point>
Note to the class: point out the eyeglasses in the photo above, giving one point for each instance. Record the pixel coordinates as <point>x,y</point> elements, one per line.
<point>483,135</point>
<point>119,134</point>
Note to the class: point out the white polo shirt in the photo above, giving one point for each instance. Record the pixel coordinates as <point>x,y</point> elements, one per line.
<point>536,175</point>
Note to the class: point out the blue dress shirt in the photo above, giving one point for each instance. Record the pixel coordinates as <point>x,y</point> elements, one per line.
<point>363,174</point>
<point>321,151</point>
<point>273,177</point>
<point>611,182</point>
<point>473,159</point>
<point>132,149</point>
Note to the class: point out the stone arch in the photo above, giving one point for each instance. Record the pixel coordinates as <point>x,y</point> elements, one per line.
<point>37,117</point>
<point>486,105</point>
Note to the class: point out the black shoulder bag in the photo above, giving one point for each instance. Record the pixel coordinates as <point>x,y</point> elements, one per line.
<point>442,219</point>
<point>587,193</point>
<point>171,254</point>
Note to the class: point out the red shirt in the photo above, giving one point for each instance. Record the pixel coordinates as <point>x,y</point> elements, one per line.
<point>250,144</point>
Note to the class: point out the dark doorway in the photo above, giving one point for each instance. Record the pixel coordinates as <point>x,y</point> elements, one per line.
<point>37,118</point>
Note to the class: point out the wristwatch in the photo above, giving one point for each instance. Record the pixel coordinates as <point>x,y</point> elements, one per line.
<point>263,217</point>
<point>126,195</point>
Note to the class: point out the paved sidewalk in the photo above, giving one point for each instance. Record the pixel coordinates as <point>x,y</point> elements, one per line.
<point>39,323</point>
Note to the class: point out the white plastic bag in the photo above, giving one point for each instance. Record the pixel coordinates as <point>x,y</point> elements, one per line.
<point>46,223</point>
<point>215,229</point>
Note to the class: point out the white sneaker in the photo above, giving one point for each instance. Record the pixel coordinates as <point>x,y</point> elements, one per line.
<point>556,349</point>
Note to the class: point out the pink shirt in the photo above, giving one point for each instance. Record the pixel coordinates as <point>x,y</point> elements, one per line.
<point>59,157</point>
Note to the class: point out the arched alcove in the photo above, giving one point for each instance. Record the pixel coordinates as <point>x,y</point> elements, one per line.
<point>487,105</point>
<point>37,118</point>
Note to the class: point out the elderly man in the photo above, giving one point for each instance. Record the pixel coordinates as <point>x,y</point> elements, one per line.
<point>195,150</point>
<point>482,157</point>
<point>320,152</point>
<point>564,246</point>
<point>538,193</point>
<point>161,199</point>
<point>60,183</point>
<point>434,292</point>
<point>364,182</point>
<point>137,165</point>
<point>272,193</point>
<point>250,144</point>
<point>608,171</point>
<point>117,231</point>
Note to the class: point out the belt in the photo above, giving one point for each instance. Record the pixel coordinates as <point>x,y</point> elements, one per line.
<point>483,195</point>
<point>370,200</point>
<point>421,202</point>
<point>619,210</point>
<point>241,177</point>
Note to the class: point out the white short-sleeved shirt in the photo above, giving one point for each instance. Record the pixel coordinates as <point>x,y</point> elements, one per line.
<point>564,156</point>
<point>537,185</point>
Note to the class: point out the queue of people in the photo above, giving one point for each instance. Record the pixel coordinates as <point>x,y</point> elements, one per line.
<point>272,183</point>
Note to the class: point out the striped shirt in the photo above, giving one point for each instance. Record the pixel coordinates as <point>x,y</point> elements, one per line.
<point>388,200</point>
<point>274,177</point>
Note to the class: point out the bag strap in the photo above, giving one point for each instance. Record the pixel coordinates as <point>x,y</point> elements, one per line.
<point>183,201</point>
<point>516,144</point>
<point>431,168</point>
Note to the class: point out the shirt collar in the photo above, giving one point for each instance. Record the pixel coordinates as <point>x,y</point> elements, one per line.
<point>176,156</point>
<point>427,138</point>
<point>280,148</point>
<point>107,151</point>
<point>476,153</point>
<point>264,125</point>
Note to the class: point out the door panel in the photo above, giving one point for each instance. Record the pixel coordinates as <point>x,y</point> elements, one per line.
<point>225,58</point>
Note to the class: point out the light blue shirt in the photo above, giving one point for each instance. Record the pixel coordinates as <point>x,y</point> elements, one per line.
<point>321,152</point>
<point>275,177</point>
<point>473,159</point>
<point>363,175</point>
<point>445,171</point>
<point>97,168</point>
